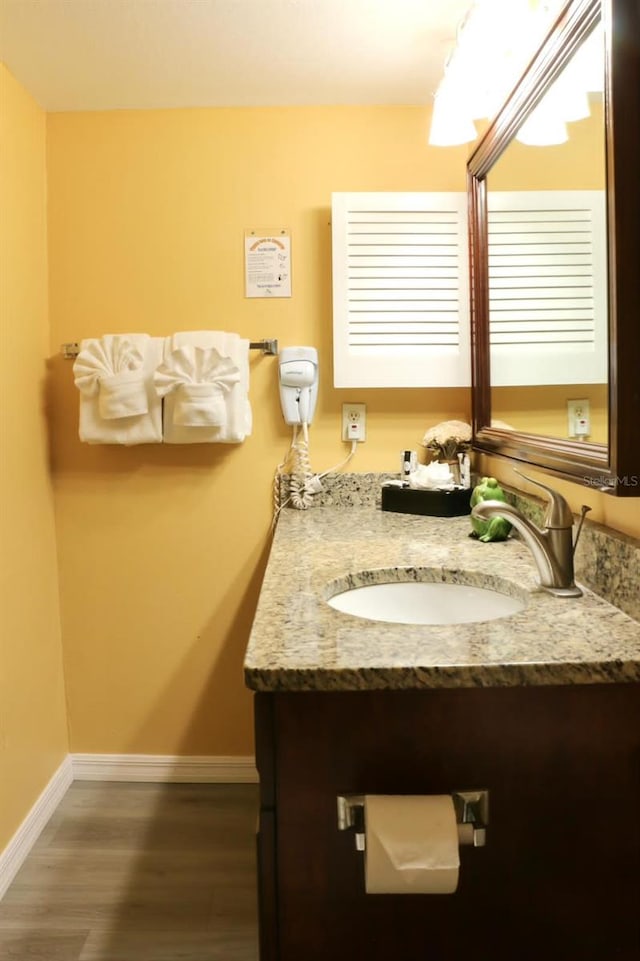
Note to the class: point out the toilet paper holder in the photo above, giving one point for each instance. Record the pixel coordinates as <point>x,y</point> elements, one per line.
<point>471,807</point>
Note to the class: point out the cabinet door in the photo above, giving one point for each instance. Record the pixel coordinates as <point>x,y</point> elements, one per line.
<point>559,874</point>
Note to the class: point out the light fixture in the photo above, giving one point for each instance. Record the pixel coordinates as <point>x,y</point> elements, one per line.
<point>567,99</point>
<point>542,128</point>
<point>449,125</point>
<point>586,67</point>
<point>494,44</point>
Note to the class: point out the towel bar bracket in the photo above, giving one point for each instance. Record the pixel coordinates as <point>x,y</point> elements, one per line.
<point>266,346</point>
<point>71,350</point>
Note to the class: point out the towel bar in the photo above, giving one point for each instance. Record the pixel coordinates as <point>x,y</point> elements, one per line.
<point>266,346</point>
<point>72,349</point>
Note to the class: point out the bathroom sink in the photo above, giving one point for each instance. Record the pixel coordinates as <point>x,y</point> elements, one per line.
<point>426,601</point>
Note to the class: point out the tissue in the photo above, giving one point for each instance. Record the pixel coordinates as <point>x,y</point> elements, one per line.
<point>434,476</point>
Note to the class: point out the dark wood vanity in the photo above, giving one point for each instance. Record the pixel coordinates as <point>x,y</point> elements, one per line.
<point>540,708</point>
<point>559,876</point>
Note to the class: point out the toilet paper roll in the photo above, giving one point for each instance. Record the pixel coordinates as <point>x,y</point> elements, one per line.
<point>411,844</point>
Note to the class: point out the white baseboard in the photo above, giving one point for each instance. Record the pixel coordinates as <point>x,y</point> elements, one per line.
<point>11,859</point>
<point>160,768</point>
<point>164,768</point>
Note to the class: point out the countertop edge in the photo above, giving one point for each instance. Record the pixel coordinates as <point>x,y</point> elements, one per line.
<point>299,644</point>
<point>441,677</point>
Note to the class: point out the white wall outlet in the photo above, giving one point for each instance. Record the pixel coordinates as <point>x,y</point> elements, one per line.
<point>354,422</point>
<point>579,417</point>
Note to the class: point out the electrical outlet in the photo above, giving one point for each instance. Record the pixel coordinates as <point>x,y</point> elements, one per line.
<point>354,422</point>
<point>579,417</point>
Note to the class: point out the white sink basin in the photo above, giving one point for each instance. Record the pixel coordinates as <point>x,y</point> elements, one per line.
<point>424,602</point>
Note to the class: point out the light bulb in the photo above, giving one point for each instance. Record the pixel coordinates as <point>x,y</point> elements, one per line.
<point>450,123</point>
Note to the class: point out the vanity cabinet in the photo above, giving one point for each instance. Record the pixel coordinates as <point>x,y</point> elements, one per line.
<point>559,876</point>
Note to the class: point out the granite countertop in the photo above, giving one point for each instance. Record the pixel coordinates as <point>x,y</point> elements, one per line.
<point>299,643</point>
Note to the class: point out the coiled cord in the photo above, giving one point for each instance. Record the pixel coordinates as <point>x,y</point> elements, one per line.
<point>300,492</point>
<point>297,464</point>
<point>303,483</point>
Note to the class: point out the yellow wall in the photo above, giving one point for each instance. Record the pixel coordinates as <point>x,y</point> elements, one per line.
<point>162,549</point>
<point>543,410</point>
<point>33,734</point>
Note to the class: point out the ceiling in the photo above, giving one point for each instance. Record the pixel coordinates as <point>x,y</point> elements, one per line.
<point>133,54</point>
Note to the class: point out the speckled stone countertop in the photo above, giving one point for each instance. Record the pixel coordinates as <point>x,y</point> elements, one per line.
<point>299,643</point>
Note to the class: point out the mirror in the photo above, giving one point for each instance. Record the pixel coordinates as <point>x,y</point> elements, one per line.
<point>546,224</point>
<point>550,236</point>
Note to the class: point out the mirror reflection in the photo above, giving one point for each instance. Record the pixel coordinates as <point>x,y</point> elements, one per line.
<point>547,257</point>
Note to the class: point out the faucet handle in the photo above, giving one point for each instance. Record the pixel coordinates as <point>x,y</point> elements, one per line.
<point>559,514</point>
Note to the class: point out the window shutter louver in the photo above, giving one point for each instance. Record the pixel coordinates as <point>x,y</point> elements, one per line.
<point>400,290</point>
<point>548,287</point>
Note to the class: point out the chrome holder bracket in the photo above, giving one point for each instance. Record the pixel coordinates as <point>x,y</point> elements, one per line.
<point>472,815</point>
<point>471,807</point>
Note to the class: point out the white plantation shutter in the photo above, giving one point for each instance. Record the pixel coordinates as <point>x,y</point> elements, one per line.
<point>400,290</point>
<point>548,287</point>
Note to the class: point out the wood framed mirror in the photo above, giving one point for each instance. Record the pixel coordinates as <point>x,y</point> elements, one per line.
<point>555,259</point>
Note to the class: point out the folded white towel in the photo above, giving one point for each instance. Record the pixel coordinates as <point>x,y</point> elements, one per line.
<point>205,381</point>
<point>118,403</point>
<point>201,378</point>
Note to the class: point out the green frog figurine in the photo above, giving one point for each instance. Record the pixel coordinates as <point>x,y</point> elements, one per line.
<point>497,528</point>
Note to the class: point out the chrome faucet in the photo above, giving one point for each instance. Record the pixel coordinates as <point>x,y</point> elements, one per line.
<point>553,547</point>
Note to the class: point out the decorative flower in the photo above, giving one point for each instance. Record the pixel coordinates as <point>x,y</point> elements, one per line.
<point>448,438</point>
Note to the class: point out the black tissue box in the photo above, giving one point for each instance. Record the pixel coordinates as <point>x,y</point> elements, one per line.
<point>406,500</point>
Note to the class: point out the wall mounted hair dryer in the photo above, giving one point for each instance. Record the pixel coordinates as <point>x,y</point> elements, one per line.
<point>298,374</point>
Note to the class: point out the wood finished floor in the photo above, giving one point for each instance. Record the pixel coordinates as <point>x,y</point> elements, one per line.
<point>139,872</point>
